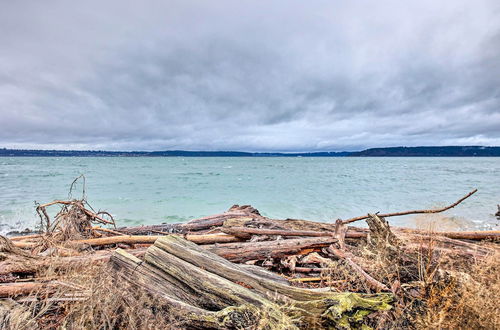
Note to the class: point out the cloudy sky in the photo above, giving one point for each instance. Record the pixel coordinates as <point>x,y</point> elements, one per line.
<point>249,75</point>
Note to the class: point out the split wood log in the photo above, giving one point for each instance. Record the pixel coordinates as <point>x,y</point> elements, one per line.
<point>207,281</point>
<point>173,299</point>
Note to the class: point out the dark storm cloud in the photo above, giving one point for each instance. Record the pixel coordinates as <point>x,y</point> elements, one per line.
<point>281,75</point>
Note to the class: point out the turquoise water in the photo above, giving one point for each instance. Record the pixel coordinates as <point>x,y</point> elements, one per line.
<point>155,190</point>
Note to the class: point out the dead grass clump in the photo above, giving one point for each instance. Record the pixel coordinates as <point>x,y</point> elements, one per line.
<point>89,298</point>
<point>114,304</point>
<point>465,300</point>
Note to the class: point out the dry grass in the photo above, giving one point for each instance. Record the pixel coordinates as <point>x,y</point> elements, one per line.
<point>113,304</point>
<point>465,300</point>
<point>106,303</point>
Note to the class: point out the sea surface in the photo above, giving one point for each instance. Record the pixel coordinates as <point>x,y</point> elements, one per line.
<point>156,190</point>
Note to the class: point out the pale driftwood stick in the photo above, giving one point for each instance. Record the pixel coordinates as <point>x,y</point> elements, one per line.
<point>25,237</point>
<point>25,288</point>
<point>310,270</point>
<point>106,230</point>
<point>316,279</point>
<point>395,214</point>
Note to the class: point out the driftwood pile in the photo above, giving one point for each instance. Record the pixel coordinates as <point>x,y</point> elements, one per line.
<point>238,269</point>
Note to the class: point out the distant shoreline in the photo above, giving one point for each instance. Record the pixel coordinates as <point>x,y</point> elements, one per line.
<point>431,151</point>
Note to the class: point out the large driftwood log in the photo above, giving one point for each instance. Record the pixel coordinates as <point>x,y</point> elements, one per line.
<point>183,271</point>
<point>247,232</point>
<point>137,239</point>
<point>195,225</point>
<point>241,252</point>
<point>493,235</point>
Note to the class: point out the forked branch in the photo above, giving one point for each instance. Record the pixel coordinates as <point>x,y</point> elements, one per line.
<point>396,214</point>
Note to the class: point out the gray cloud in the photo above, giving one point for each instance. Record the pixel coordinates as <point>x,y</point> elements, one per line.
<point>246,75</point>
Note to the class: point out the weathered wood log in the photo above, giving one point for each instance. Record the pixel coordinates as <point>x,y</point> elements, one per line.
<point>138,239</point>
<point>206,280</point>
<point>241,252</point>
<point>287,224</point>
<point>200,224</point>
<point>190,306</point>
<point>247,232</point>
<point>493,235</point>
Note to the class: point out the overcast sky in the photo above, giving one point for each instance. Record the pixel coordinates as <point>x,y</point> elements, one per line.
<point>249,75</point>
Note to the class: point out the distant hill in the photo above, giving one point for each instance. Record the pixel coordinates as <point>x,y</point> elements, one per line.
<point>452,151</point>
<point>171,153</point>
